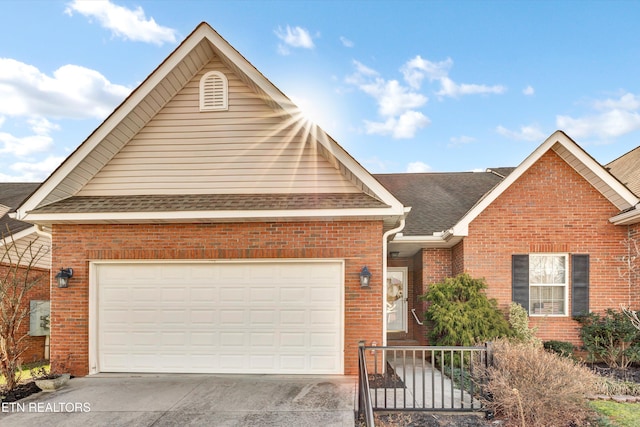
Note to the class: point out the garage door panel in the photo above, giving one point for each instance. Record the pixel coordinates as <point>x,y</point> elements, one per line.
<point>283,317</point>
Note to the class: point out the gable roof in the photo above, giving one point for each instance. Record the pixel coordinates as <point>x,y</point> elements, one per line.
<point>592,171</point>
<point>438,200</point>
<point>62,187</point>
<point>443,205</point>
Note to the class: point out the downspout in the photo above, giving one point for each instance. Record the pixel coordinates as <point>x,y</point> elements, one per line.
<point>40,232</point>
<point>385,236</point>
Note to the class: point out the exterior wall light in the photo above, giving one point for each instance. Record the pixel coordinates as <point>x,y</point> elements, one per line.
<point>63,277</point>
<point>365,277</point>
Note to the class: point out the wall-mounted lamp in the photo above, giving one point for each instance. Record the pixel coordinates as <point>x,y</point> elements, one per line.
<point>63,277</point>
<point>394,254</point>
<point>365,277</point>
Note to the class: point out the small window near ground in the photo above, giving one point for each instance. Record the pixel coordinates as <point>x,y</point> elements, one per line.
<point>548,279</point>
<point>213,91</point>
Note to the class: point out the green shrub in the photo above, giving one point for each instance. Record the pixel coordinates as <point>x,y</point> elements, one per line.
<point>561,348</point>
<point>610,338</point>
<point>459,312</point>
<point>519,321</point>
<point>533,387</point>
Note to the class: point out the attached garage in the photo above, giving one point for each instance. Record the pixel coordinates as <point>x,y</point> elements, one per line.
<point>283,317</point>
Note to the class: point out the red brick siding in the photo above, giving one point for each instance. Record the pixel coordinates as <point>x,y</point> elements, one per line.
<point>34,346</point>
<point>359,243</point>
<point>435,266</point>
<point>550,208</point>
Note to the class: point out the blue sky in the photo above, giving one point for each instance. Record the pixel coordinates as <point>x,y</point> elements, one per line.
<point>402,85</point>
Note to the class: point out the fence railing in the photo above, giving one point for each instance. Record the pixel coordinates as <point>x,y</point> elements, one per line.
<point>419,378</point>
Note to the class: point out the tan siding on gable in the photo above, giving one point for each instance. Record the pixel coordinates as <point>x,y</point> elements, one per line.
<point>247,149</point>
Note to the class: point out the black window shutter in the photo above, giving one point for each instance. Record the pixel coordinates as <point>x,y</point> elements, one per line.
<point>520,280</point>
<point>579,284</point>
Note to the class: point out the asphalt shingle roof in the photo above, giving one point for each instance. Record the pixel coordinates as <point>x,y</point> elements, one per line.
<point>211,202</point>
<point>12,194</point>
<point>626,169</point>
<point>438,200</point>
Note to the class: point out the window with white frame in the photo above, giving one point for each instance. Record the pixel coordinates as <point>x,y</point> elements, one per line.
<point>213,91</point>
<point>548,280</point>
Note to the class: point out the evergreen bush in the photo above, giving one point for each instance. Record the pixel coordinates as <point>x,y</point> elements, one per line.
<point>459,312</point>
<point>610,338</point>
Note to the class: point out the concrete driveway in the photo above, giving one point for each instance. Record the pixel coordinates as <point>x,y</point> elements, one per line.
<point>190,399</point>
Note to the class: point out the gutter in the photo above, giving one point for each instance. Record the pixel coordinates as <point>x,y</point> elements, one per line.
<point>632,216</point>
<point>385,245</point>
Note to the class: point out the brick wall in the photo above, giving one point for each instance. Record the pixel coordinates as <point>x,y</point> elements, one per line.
<point>34,346</point>
<point>435,266</point>
<point>550,208</point>
<point>359,243</point>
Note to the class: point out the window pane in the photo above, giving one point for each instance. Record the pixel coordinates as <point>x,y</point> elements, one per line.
<point>546,299</point>
<point>547,269</point>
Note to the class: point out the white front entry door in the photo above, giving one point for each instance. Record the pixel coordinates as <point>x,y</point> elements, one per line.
<point>218,317</point>
<point>397,299</point>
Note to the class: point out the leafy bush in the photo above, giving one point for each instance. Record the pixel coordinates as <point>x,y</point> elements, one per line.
<point>459,312</point>
<point>561,348</point>
<point>519,321</point>
<point>534,387</point>
<point>610,338</point>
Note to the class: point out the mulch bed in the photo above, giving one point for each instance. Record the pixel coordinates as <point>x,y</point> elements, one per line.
<point>632,373</point>
<point>387,380</point>
<point>20,392</point>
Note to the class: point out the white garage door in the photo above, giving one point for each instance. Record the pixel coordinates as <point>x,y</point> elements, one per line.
<point>283,317</point>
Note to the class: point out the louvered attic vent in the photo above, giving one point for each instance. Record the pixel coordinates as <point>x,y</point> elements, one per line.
<point>213,91</point>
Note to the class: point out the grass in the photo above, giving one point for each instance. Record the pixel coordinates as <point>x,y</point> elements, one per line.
<point>618,414</point>
<point>27,372</point>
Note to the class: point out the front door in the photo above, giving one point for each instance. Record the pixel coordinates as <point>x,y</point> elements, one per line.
<point>397,299</point>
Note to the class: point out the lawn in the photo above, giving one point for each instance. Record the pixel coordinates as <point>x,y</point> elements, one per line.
<point>618,414</point>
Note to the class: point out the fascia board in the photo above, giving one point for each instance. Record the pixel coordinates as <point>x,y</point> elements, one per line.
<point>602,173</point>
<point>626,218</point>
<point>45,218</point>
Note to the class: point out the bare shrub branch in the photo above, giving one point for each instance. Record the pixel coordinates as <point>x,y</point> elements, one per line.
<point>19,276</point>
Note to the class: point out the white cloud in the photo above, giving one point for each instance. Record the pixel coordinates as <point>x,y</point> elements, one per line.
<point>42,126</point>
<point>460,140</point>
<point>525,133</point>
<point>31,144</point>
<point>122,22</point>
<point>403,127</point>
<point>24,146</point>
<point>72,91</point>
<point>346,42</point>
<point>628,102</point>
<point>293,37</point>
<point>453,89</point>
<point>416,69</point>
<point>32,171</point>
<point>396,103</point>
<point>608,125</point>
<point>392,98</point>
<point>614,118</point>
<point>418,167</point>
<point>529,90</point>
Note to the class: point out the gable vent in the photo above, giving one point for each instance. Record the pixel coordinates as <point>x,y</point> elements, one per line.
<point>213,91</point>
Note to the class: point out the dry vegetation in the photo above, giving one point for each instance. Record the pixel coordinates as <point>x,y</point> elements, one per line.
<point>532,387</point>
